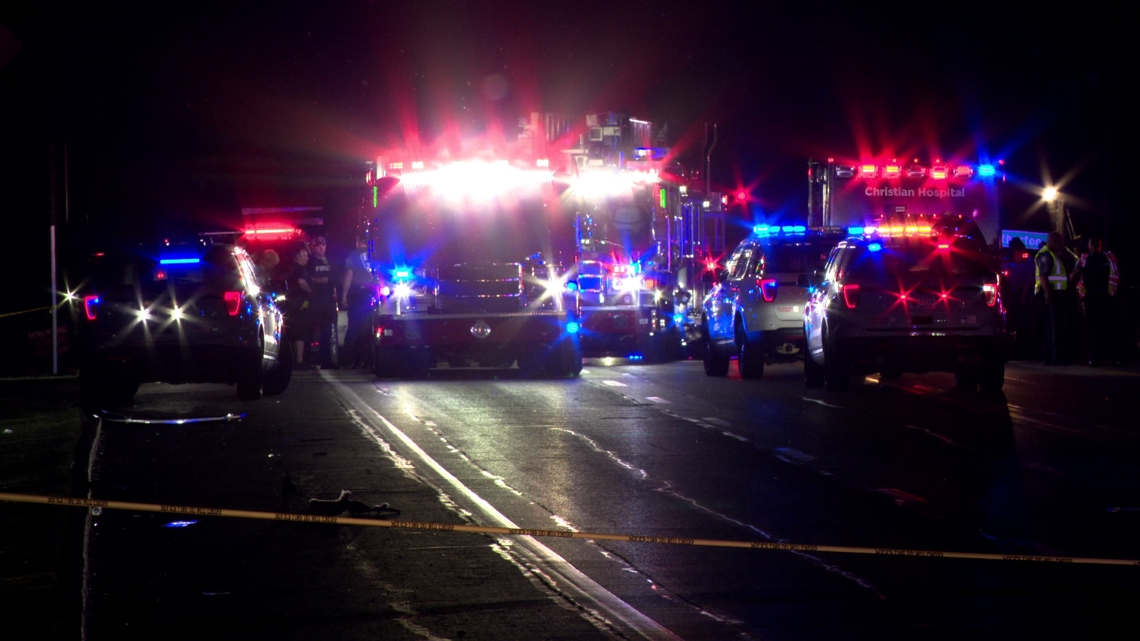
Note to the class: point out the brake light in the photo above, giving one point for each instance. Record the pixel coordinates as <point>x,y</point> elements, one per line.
<point>649,283</point>
<point>233,302</point>
<point>768,288</point>
<point>851,295</point>
<point>991,291</point>
<point>91,306</point>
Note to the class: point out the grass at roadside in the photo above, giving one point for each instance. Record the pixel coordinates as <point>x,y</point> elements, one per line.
<point>40,425</point>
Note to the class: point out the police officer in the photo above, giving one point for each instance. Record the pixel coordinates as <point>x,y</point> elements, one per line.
<point>1097,276</point>
<point>323,298</point>
<point>357,295</point>
<point>1051,291</point>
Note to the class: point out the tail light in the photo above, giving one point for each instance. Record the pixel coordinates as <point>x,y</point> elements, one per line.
<point>991,292</point>
<point>233,302</point>
<point>768,288</point>
<point>851,295</point>
<point>91,306</point>
<point>649,283</point>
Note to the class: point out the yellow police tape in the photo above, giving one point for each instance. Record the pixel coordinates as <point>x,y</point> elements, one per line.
<point>26,311</point>
<point>563,534</point>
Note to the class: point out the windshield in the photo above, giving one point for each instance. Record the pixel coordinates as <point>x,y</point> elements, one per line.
<point>418,229</point>
<point>620,226</point>
<point>917,258</point>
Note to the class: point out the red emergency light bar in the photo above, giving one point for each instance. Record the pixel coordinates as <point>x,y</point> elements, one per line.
<point>269,233</point>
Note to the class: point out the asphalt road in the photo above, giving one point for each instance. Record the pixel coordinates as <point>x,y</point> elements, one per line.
<point>1047,468</point>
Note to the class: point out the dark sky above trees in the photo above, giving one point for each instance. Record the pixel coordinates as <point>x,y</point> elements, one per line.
<point>183,112</point>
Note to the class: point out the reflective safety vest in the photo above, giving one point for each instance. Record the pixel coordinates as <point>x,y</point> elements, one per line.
<point>1058,278</point>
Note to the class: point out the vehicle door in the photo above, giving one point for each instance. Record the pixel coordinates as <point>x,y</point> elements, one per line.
<point>724,299</point>
<point>821,297</point>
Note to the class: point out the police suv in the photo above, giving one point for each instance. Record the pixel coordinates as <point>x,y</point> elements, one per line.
<point>907,298</point>
<point>754,313</point>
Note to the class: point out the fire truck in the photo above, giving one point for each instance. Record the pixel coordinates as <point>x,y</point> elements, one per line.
<point>643,231</point>
<point>575,237</point>
<point>856,193</point>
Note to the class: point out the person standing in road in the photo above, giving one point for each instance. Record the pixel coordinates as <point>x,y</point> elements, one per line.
<point>1097,277</point>
<point>357,295</point>
<point>1021,281</point>
<point>298,308</point>
<point>323,300</point>
<point>1051,290</point>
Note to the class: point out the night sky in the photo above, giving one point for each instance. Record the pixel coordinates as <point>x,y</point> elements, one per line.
<point>176,115</point>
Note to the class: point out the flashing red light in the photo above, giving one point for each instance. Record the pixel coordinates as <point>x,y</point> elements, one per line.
<point>892,171</point>
<point>868,171</point>
<point>768,289</point>
<point>943,245</point>
<point>991,291</point>
<point>160,275</point>
<point>649,283</point>
<point>266,233</point>
<point>742,195</point>
<point>939,172</point>
<point>963,171</point>
<point>233,302</point>
<point>851,295</point>
<point>91,306</point>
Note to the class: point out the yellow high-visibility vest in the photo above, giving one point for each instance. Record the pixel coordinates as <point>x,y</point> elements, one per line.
<point>1058,278</point>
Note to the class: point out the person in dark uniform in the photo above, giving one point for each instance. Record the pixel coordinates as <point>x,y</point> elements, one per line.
<point>1097,277</point>
<point>298,304</point>
<point>323,300</point>
<point>1022,312</point>
<point>357,295</point>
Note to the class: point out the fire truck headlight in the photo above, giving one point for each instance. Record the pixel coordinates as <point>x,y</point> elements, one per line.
<point>402,290</point>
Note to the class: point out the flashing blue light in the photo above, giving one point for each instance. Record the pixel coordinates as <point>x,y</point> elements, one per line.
<point>986,170</point>
<point>799,229</point>
<point>635,357</point>
<point>874,247</point>
<point>572,327</point>
<point>571,286</point>
<point>678,318</point>
<point>762,229</point>
<point>788,228</point>
<point>403,273</point>
<point>179,261</point>
<point>180,523</point>
<point>855,231</point>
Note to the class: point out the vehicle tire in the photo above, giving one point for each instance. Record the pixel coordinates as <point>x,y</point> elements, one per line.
<point>749,359</point>
<point>813,372</point>
<point>992,376</point>
<point>966,381</point>
<point>251,382</point>
<point>278,377</point>
<point>566,360</point>
<point>716,363</point>
<point>836,371</point>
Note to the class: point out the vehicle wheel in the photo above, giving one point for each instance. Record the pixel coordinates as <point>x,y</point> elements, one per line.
<point>813,372</point>
<point>278,377</point>
<point>716,363</point>
<point>992,377</point>
<point>566,361</point>
<point>749,360</point>
<point>836,371</point>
